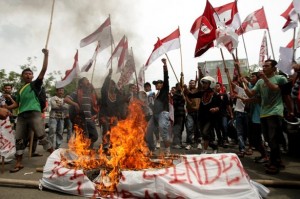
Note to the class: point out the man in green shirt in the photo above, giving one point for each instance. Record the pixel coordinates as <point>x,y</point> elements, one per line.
<point>30,113</point>
<point>268,87</point>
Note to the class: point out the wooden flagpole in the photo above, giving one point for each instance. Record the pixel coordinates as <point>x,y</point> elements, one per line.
<point>49,30</point>
<point>245,51</point>
<point>171,67</point>
<point>181,74</point>
<point>294,38</point>
<point>98,45</point>
<point>271,44</point>
<point>227,73</point>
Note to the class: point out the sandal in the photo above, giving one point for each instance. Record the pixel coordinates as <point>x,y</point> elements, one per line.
<point>16,169</point>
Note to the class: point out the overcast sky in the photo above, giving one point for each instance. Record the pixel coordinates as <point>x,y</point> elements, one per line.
<point>24,25</point>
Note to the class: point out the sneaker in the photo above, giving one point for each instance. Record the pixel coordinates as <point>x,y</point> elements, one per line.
<point>188,147</point>
<point>176,146</point>
<point>241,154</point>
<point>199,146</point>
<point>215,151</point>
<point>167,152</point>
<point>226,144</point>
<point>272,170</point>
<point>157,144</point>
<point>204,152</point>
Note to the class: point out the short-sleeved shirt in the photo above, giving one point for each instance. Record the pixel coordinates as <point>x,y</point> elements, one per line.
<point>271,101</point>
<point>27,99</point>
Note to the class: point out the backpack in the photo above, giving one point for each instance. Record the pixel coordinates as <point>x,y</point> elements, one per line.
<point>41,95</point>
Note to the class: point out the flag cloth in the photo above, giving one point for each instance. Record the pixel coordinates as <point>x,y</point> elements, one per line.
<point>296,4</point>
<point>205,39</point>
<point>202,25</point>
<point>291,18</point>
<point>254,21</point>
<point>228,15</point>
<point>297,41</point>
<point>219,79</point>
<point>120,52</point>
<point>225,36</point>
<point>162,46</point>
<point>127,71</point>
<point>86,67</point>
<point>263,53</point>
<point>141,78</point>
<point>102,34</point>
<point>70,74</point>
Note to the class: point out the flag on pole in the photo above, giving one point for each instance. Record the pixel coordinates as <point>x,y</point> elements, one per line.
<point>102,34</point>
<point>263,53</point>
<point>297,41</point>
<point>254,21</point>
<point>141,78</point>
<point>220,79</point>
<point>162,46</point>
<point>86,67</point>
<point>228,15</point>
<point>225,36</point>
<point>205,39</point>
<point>127,71</point>
<point>120,52</point>
<point>291,17</point>
<point>201,25</point>
<point>70,74</point>
<point>285,60</point>
<point>297,6</point>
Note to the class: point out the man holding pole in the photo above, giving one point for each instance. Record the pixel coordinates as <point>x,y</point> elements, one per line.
<point>29,116</point>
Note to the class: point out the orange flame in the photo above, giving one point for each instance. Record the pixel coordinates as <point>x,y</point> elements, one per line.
<point>128,148</point>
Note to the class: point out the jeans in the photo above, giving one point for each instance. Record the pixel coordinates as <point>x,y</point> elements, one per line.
<point>161,121</point>
<point>177,130</point>
<point>90,128</point>
<point>69,128</point>
<point>241,128</point>
<point>192,129</point>
<point>56,128</point>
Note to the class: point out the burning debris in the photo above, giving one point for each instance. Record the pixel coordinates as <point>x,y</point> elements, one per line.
<point>129,171</point>
<point>128,151</point>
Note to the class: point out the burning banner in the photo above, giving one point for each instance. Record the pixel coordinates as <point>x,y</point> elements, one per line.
<point>130,172</point>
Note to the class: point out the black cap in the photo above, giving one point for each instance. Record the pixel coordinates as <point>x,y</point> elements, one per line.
<point>158,82</point>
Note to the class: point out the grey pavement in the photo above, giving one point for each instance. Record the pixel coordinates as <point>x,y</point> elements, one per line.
<point>255,171</point>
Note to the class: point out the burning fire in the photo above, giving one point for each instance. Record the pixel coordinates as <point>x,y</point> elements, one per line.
<point>128,150</point>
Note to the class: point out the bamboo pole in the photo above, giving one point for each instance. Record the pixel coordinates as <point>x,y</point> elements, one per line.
<point>50,25</point>
<point>18,182</point>
<point>136,77</point>
<point>278,183</point>
<point>245,52</point>
<point>98,45</point>
<point>172,67</point>
<point>271,44</point>
<point>227,72</point>
<point>180,54</point>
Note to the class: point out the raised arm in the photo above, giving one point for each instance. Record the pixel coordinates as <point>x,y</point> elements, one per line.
<point>45,64</point>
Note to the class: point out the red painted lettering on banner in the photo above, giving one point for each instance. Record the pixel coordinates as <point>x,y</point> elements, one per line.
<point>205,161</point>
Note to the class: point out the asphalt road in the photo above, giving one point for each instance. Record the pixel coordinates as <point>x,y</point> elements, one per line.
<point>255,171</point>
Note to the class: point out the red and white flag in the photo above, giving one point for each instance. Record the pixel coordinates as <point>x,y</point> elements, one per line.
<point>162,46</point>
<point>206,39</point>
<point>297,42</point>
<point>227,37</point>
<point>202,26</point>
<point>70,74</point>
<point>120,52</point>
<point>263,53</point>
<point>102,35</point>
<point>297,6</point>
<point>254,21</point>
<point>141,78</point>
<point>127,71</point>
<point>86,67</point>
<point>220,79</point>
<point>291,17</point>
<point>228,15</point>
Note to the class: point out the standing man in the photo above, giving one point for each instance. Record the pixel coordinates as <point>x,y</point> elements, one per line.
<point>9,100</point>
<point>30,113</point>
<point>84,109</point>
<point>268,87</point>
<point>56,117</point>
<point>160,116</point>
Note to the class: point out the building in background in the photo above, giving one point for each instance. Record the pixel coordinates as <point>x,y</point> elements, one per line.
<point>210,68</point>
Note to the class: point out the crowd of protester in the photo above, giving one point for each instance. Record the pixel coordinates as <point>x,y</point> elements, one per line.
<point>249,112</point>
